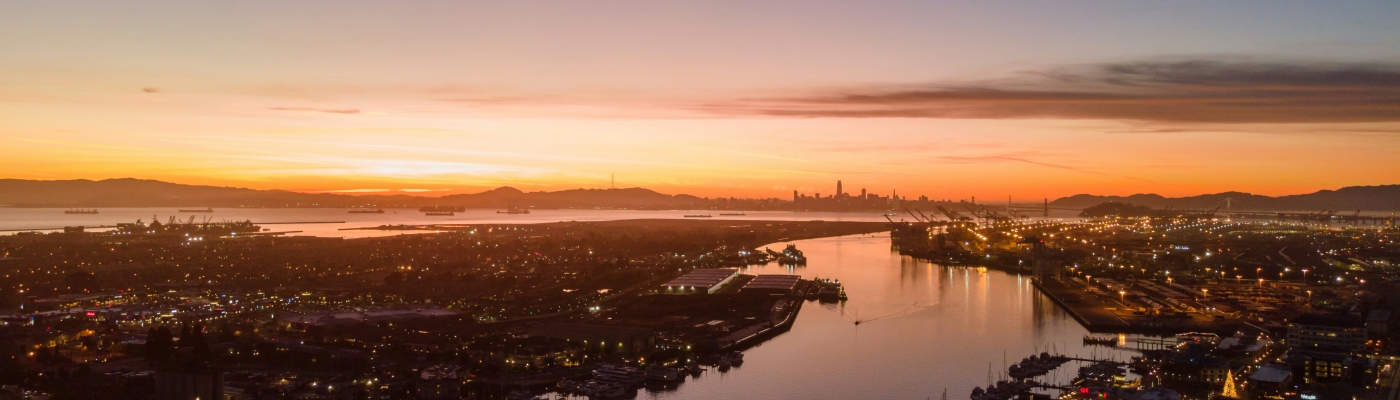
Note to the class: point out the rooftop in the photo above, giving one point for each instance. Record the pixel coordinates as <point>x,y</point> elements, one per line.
<point>773,282</point>
<point>703,277</point>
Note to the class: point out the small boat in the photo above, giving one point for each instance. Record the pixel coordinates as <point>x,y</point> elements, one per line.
<point>377,211</point>
<point>656,373</point>
<point>735,357</point>
<point>81,211</point>
<point>724,364</point>
<point>439,213</point>
<point>697,215</point>
<point>199,210</point>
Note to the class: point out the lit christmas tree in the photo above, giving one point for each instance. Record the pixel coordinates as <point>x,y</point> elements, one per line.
<point>1229,390</point>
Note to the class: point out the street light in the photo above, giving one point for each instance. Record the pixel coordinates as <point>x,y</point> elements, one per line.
<point>1121,294</point>
<point>1305,276</point>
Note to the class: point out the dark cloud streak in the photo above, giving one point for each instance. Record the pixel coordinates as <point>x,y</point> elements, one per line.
<point>1200,91</point>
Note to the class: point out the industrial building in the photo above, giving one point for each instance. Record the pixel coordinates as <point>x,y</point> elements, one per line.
<point>772,284</point>
<point>608,338</point>
<point>700,281</point>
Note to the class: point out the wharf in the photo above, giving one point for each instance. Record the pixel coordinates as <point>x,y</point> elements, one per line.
<point>781,321</point>
<point>1109,316</point>
<point>1088,311</point>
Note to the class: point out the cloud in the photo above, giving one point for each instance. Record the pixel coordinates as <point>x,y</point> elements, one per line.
<point>151,90</point>
<point>1196,91</point>
<point>1000,158</point>
<point>324,110</point>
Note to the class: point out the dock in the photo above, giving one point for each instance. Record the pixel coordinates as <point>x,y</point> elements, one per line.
<point>1088,311</point>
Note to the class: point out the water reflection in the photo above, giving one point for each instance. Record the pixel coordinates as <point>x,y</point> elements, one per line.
<point>923,328</point>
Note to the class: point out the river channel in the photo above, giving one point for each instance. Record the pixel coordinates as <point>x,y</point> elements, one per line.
<point>923,328</point>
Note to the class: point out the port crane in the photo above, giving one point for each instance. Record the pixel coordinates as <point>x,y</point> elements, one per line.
<point>952,215</point>
<point>930,220</point>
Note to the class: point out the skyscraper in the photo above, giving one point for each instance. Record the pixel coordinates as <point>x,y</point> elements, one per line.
<point>839,193</point>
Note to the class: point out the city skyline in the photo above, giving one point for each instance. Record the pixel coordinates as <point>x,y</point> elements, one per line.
<point>947,100</point>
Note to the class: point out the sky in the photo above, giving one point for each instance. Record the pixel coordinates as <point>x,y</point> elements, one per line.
<point>949,99</point>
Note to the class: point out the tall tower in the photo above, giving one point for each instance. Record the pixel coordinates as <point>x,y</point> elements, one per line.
<point>794,196</point>
<point>862,193</point>
<point>839,193</point>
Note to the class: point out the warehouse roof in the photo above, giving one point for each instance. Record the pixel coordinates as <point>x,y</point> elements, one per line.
<point>705,278</point>
<point>773,282</point>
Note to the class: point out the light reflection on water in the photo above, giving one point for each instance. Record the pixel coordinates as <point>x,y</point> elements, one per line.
<point>923,328</point>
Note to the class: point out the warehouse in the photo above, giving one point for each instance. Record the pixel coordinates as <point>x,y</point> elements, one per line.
<point>772,284</point>
<point>700,281</point>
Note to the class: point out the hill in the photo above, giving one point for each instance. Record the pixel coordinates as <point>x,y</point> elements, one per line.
<point>129,192</point>
<point>1365,198</point>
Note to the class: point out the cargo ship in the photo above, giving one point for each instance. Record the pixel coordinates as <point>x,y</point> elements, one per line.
<point>439,213</point>
<point>697,215</point>
<point>514,210</point>
<point>204,210</point>
<point>81,211</point>
<point>733,213</point>
<point>442,209</point>
<point>375,211</point>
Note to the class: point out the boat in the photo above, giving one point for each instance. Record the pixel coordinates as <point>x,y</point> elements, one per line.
<point>81,211</point>
<point>201,210</point>
<point>733,213</point>
<point>442,208</point>
<point>377,211</point>
<point>1108,341</point>
<point>724,364</point>
<point>695,369</point>
<point>697,215</point>
<point>619,375</point>
<point>439,213</point>
<point>735,357</point>
<point>514,211</point>
<point>789,256</point>
<point>829,291</point>
<point>612,391</point>
<point>656,373</point>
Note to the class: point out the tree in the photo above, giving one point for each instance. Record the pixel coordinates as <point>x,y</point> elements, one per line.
<point>160,344</point>
<point>1229,390</point>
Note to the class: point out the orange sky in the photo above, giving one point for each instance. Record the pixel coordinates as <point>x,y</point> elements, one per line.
<point>742,99</point>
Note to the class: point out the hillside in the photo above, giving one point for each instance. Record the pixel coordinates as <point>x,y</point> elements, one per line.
<point>1365,198</point>
<point>149,193</point>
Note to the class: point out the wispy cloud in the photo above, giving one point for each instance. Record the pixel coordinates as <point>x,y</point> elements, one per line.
<point>1004,158</point>
<point>1199,91</point>
<point>323,110</point>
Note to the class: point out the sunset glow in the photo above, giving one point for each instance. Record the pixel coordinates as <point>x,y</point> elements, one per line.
<point>941,99</point>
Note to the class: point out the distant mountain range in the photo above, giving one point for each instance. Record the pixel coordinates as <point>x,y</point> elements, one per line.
<point>149,193</point>
<point>129,192</point>
<point>1347,199</point>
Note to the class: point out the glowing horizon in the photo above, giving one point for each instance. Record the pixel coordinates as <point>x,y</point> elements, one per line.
<point>948,100</point>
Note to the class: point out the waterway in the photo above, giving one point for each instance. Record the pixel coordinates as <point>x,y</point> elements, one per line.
<point>286,219</point>
<point>923,328</point>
